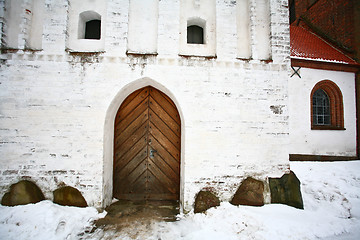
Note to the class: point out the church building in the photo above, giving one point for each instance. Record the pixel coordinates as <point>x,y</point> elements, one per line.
<point>147,99</point>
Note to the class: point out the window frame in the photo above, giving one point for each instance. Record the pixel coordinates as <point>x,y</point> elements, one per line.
<point>336,106</point>
<point>322,102</point>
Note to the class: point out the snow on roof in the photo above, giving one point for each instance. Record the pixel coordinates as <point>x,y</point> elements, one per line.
<point>307,45</point>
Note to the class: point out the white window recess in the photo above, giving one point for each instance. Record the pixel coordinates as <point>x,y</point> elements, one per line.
<point>86,26</point>
<point>194,17</point>
<point>89,25</point>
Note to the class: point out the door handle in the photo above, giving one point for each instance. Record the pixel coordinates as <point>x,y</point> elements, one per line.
<point>152,151</point>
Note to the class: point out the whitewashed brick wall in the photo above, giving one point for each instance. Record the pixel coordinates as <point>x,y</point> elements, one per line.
<point>57,109</point>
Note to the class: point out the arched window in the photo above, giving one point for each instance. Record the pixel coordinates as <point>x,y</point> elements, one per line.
<point>89,25</point>
<point>321,108</point>
<point>195,34</point>
<point>327,111</point>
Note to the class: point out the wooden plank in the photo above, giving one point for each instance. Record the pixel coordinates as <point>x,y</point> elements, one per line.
<point>155,132</point>
<point>131,129</point>
<point>140,197</point>
<point>165,168</point>
<point>163,115</point>
<point>167,196</point>
<point>165,181</point>
<point>123,168</point>
<point>167,132</point>
<point>169,100</point>
<point>140,134</point>
<point>129,155</point>
<point>167,105</point>
<point>125,122</point>
<point>133,176</point>
<point>131,125</point>
<point>122,161</point>
<point>166,156</point>
<point>129,98</point>
<point>125,110</point>
<point>140,185</point>
<point>155,186</point>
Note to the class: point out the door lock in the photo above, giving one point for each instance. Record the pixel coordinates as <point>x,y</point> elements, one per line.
<point>152,151</point>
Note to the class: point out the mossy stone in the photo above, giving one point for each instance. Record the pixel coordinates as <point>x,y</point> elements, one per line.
<point>5,201</point>
<point>69,196</point>
<point>205,200</point>
<point>286,190</point>
<point>21,193</point>
<point>250,192</point>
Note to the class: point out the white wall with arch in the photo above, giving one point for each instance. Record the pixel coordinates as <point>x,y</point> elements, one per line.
<point>303,139</point>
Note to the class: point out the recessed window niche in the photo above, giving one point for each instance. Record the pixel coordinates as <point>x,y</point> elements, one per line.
<point>86,28</point>
<point>89,25</point>
<point>195,34</point>
<point>198,28</point>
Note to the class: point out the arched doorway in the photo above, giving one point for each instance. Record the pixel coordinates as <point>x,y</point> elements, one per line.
<point>147,147</point>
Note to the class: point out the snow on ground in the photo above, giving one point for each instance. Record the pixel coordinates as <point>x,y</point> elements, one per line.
<point>331,194</point>
<point>45,221</point>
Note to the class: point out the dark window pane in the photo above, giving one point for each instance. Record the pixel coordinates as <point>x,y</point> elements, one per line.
<point>327,111</point>
<point>195,34</point>
<point>93,29</point>
<point>321,108</point>
<point>327,120</point>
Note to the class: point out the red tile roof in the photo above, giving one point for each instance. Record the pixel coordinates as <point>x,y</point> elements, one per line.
<point>307,45</point>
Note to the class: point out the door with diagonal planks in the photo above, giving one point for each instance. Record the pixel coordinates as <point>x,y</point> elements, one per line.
<point>147,147</point>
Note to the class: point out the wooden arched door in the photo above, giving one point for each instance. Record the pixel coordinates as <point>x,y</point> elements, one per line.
<point>147,147</point>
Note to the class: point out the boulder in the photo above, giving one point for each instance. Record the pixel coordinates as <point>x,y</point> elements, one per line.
<point>250,192</point>
<point>5,201</point>
<point>69,196</point>
<point>21,193</point>
<point>205,200</point>
<point>286,190</point>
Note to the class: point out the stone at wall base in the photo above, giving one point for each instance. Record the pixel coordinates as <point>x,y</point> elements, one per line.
<point>286,190</point>
<point>205,200</point>
<point>5,201</point>
<point>21,193</point>
<point>69,196</point>
<point>250,192</point>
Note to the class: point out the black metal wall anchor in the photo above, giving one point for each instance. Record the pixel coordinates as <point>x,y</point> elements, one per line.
<point>296,71</point>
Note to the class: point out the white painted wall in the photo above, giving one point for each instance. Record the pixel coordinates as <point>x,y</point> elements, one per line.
<point>13,19</point>
<point>261,38</point>
<point>243,29</point>
<point>57,108</point>
<point>321,142</point>
<point>36,23</point>
<point>143,26</point>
